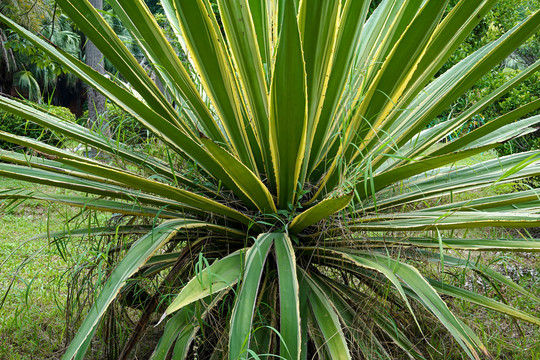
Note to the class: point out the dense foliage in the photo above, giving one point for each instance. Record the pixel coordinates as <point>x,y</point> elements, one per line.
<point>19,126</point>
<point>300,188</point>
<point>503,17</point>
<point>34,74</point>
<point>123,127</point>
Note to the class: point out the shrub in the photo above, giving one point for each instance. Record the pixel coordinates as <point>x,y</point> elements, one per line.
<point>299,195</point>
<point>526,93</point>
<point>505,15</point>
<point>19,126</point>
<point>123,126</point>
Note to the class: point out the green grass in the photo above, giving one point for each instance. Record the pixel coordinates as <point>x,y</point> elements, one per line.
<point>504,337</point>
<point>32,317</point>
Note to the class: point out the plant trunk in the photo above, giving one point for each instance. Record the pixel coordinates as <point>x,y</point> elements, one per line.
<point>8,65</point>
<point>97,119</point>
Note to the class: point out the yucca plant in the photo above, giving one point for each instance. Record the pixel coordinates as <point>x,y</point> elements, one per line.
<point>308,194</point>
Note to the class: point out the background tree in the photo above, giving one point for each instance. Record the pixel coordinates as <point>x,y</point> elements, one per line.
<point>505,15</point>
<point>97,117</point>
<point>7,64</point>
<point>154,6</point>
<point>31,14</point>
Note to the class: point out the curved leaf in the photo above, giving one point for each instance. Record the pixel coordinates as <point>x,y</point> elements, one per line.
<point>288,109</point>
<point>481,300</point>
<point>136,257</point>
<point>417,283</point>
<point>246,180</point>
<point>242,315</point>
<point>221,275</point>
<point>327,320</point>
<point>319,212</point>
<point>289,303</point>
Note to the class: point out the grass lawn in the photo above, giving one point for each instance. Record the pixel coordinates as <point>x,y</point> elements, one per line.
<point>32,319</point>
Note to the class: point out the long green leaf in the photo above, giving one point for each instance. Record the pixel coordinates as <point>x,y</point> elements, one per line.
<point>238,23</point>
<point>490,128</point>
<point>434,303</point>
<point>181,329</point>
<point>95,231</point>
<point>350,29</point>
<point>85,136</point>
<point>521,245</point>
<point>246,180</point>
<point>445,180</point>
<point>80,182</point>
<point>136,257</point>
<point>327,320</point>
<point>242,315</point>
<point>93,203</point>
<point>103,36</point>
<point>483,270</point>
<point>446,220</point>
<point>448,35</point>
<point>178,326</point>
<point>492,55</point>
<point>172,136</point>
<point>319,212</point>
<point>481,300</point>
<point>418,167</point>
<point>289,303</point>
<point>344,256</point>
<point>206,46</point>
<point>137,182</point>
<point>288,109</point>
<point>221,275</point>
<point>442,91</point>
<point>318,22</point>
<point>148,34</point>
<point>397,70</point>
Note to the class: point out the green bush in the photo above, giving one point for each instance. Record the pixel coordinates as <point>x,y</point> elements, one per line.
<point>123,126</point>
<point>19,126</point>
<point>524,94</point>
<point>521,95</point>
<point>303,210</point>
<point>504,16</point>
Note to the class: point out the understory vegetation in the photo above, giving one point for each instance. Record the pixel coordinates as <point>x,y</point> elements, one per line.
<point>33,317</point>
<point>324,179</point>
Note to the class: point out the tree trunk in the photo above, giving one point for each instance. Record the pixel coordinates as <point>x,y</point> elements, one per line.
<point>97,119</point>
<point>8,66</point>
